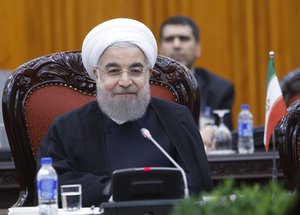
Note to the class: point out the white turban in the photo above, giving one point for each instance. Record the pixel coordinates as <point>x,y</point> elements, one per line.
<point>117,30</point>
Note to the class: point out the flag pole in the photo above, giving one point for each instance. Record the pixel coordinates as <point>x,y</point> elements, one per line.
<point>274,168</point>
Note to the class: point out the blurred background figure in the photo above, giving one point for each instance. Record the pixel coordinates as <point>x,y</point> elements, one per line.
<point>180,40</point>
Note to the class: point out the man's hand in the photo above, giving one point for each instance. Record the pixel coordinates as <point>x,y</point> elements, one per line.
<point>207,133</point>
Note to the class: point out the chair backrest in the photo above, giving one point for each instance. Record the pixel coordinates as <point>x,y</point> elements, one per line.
<point>290,86</point>
<point>43,88</point>
<point>289,144</point>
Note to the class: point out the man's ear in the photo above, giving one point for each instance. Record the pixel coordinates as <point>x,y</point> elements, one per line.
<point>150,72</point>
<point>95,74</point>
<point>199,50</point>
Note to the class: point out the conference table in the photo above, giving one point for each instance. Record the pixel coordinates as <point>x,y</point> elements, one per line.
<point>247,168</point>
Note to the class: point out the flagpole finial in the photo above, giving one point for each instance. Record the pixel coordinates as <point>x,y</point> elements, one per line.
<point>271,54</point>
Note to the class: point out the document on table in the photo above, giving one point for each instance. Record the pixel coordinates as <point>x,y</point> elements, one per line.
<point>34,210</point>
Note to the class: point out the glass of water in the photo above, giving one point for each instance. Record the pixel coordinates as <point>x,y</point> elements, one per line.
<point>222,136</point>
<point>71,197</point>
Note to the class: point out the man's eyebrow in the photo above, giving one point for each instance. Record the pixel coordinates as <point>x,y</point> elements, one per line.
<point>181,37</point>
<point>169,37</point>
<point>136,65</point>
<point>112,65</point>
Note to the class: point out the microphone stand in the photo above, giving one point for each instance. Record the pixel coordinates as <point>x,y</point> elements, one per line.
<point>147,134</point>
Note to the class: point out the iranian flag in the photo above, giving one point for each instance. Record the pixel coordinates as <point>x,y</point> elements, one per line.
<point>275,106</point>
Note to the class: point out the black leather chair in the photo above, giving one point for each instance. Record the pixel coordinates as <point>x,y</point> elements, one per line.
<point>289,144</point>
<point>290,86</point>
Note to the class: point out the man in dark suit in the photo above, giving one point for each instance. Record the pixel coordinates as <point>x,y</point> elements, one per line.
<point>88,144</point>
<point>180,40</point>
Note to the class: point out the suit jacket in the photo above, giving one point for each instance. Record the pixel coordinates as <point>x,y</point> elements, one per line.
<point>215,92</point>
<point>76,143</point>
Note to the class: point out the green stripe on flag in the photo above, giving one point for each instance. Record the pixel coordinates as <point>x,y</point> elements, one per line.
<point>271,70</point>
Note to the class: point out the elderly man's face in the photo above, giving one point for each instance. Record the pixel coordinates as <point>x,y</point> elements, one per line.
<point>122,79</point>
<point>179,43</point>
<point>124,60</point>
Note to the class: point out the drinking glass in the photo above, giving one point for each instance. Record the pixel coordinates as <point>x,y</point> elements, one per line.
<point>222,135</point>
<point>71,197</point>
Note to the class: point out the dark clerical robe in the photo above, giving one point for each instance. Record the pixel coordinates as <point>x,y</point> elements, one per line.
<point>86,147</point>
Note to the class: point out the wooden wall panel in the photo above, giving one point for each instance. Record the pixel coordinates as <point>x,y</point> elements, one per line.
<point>236,34</point>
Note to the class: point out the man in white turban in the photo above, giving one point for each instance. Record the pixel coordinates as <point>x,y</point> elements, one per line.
<point>89,143</point>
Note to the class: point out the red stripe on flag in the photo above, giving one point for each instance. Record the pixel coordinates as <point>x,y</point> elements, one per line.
<point>276,113</point>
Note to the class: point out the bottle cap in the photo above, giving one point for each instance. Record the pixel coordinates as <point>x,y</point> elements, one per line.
<point>46,160</point>
<point>207,111</point>
<point>244,107</point>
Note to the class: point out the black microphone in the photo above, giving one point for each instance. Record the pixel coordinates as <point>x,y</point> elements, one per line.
<point>146,133</point>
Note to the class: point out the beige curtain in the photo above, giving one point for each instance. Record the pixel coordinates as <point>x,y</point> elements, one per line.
<point>236,34</point>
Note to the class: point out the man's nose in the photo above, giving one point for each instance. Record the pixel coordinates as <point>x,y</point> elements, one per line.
<point>176,42</point>
<point>125,79</point>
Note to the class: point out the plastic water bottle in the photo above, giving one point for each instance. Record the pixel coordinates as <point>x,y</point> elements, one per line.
<point>206,117</point>
<point>47,188</point>
<point>245,130</point>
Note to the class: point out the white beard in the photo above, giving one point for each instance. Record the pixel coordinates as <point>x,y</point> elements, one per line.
<point>124,108</point>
